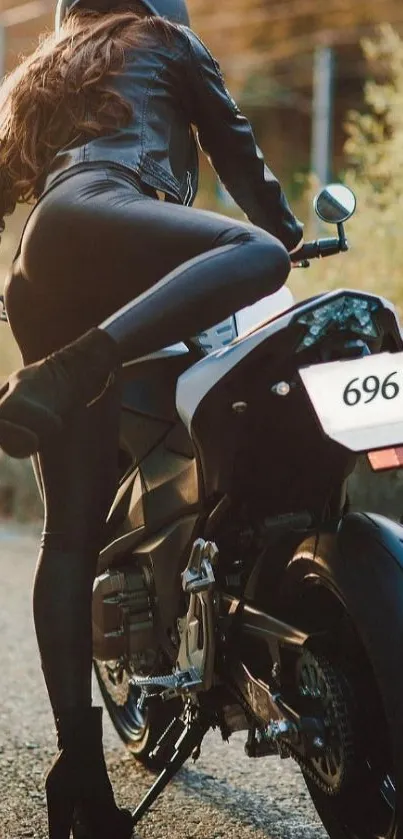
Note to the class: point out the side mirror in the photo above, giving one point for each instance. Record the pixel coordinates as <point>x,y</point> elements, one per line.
<point>335,203</point>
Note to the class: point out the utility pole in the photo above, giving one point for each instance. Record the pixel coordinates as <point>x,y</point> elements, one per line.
<point>2,50</point>
<point>322,113</point>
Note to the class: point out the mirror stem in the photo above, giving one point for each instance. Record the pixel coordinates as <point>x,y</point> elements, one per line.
<point>342,237</point>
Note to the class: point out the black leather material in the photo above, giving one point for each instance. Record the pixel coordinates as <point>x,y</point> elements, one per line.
<point>173,84</point>
<point>158,272</point>
<point>77,474</point>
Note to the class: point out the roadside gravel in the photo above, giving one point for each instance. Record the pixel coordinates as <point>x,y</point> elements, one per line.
<point>223,796</point>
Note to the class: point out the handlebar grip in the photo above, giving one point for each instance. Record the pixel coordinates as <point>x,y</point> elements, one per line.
<point>320,248</point>
<point>310,250</point>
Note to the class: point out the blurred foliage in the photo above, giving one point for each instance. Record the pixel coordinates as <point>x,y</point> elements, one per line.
<point>374,170</point>
<point>249,35</point>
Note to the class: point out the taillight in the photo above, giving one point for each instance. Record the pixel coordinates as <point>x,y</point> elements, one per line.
<point>386,458</point>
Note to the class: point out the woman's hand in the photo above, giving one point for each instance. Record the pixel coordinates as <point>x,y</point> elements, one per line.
<point>297,247</point>
<point>293,254</point>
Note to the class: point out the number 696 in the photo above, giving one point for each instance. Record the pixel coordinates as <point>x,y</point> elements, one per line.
<point>371,386</point>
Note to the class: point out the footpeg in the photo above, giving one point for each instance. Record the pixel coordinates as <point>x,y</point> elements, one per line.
<point>195,663</point>
<point>177,681</point>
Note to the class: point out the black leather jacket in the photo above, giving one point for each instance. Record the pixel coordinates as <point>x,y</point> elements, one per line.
<point>172,85</point>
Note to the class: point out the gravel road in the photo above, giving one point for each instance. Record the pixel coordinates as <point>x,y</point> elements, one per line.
<point>223,796</point>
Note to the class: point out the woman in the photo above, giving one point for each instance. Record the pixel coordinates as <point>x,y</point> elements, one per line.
<point>96,127</point>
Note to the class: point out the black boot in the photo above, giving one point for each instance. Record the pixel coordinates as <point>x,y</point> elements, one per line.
<point>78,782</point>
<point>36,400</point>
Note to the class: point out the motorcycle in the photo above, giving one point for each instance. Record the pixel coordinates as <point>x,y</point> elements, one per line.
<point>235,589</point>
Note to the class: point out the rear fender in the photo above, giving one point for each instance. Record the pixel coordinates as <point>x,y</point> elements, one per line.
<point>364,560</point>
<point>360,531</point>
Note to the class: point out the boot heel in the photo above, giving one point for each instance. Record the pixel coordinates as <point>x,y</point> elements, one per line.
<point>60,815</point>
<point>78,789</point>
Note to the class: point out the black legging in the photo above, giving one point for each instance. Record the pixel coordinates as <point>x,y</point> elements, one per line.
<point>93,243</point>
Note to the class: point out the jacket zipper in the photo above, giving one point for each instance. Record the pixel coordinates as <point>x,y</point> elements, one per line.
<point>189,191</point>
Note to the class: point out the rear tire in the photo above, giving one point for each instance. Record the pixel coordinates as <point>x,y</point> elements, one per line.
<point>360,618</point>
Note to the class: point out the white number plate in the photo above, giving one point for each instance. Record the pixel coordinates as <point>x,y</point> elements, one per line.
<point>359,403</point>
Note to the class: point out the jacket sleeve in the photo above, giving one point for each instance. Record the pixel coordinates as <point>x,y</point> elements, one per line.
<point>228,140</point>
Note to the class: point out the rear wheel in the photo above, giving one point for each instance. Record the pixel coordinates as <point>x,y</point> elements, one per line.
<point>354,785</point>
<point>138,730</point>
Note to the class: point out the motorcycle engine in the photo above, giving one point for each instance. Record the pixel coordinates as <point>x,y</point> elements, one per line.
<point>122,618</point>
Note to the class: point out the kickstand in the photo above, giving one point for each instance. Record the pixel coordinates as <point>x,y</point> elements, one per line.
<point>189,731</point>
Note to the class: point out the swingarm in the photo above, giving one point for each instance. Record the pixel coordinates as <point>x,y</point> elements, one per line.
<point>277,722</point>
<point>209,638</point>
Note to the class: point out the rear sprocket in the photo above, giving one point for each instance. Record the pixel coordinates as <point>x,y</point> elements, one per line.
<point>318,679</point>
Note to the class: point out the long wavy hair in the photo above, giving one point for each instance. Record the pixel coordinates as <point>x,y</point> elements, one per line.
<point>62,94</point>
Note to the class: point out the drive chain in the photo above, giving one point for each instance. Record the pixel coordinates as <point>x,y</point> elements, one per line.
<point>341,720</point>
